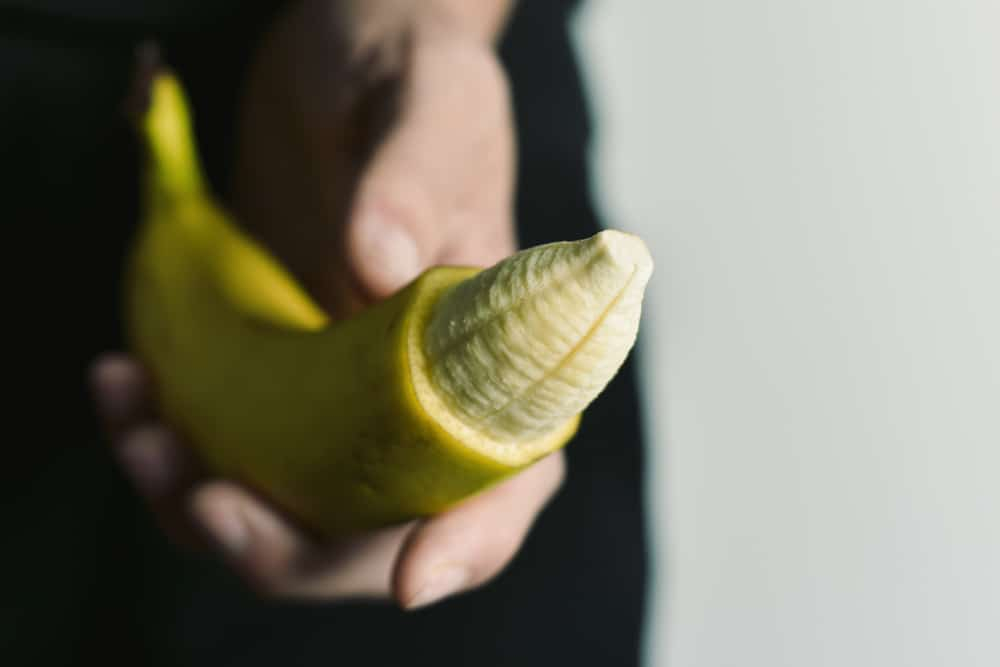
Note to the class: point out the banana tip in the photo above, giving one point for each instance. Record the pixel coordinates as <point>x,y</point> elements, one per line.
<point>627,251</point>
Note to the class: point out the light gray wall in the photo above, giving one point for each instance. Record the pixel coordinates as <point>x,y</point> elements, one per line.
<point>820,184</point>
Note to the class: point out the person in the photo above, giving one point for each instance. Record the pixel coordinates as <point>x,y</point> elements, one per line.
<point>361,142</point>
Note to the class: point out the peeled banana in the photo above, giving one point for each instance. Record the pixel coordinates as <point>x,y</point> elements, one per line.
<point>461,379</point>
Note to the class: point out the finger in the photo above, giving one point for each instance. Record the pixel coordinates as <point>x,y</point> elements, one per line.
<point>162,470</point>
<point>153,460</point>
<point>151,455</point>
<point>121,393</point>
<point>443,178</point>
<point>159,466</point>
<point>472,543</point>
<point>277,559</point>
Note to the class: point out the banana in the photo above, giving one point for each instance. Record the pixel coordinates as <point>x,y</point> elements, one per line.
<point>458,381</point>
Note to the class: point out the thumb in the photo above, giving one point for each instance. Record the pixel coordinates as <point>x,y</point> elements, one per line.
<point>402,216</point>
<point>397,224</point>
<point>439,188</point>
<point>390,239</point>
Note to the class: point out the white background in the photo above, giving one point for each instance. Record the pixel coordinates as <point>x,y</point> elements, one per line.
<point>819,181</point>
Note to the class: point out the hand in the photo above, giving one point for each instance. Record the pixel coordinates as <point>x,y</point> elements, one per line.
<point>416,564</point>
<point>370,212</point>
<point>389,144</point>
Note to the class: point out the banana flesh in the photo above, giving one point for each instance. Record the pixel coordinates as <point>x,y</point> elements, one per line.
<point>524,346</point>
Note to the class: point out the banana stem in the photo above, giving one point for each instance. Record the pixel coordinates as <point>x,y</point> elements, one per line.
<point>173,171</point>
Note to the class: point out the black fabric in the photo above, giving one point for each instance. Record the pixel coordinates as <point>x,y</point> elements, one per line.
<point>69,191</point>
<point>88,579</point>
<point>76,20</point>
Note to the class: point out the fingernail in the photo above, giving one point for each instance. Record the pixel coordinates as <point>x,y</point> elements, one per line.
<point>388,256</point>
<point>446,581</point>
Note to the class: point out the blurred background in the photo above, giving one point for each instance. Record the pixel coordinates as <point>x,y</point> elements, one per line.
<point>820,184</point>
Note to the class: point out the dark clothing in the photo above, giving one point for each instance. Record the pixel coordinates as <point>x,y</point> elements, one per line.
<point>87,578</point>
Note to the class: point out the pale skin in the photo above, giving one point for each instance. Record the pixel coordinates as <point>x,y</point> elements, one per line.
<point>435,188</point>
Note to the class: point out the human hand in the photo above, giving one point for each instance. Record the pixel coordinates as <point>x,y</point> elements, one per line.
<point>415,564</point>
<point>370,212</point>
<point>389,142</point>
